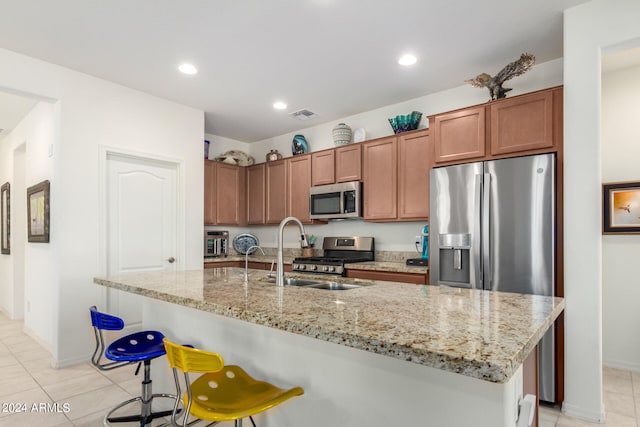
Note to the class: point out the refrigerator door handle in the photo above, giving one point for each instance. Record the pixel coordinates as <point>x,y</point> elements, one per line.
<point>477,235</point>
<point>486,212</point>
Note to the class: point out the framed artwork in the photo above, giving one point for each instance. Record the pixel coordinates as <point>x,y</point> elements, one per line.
<point>38,212</point>
<point>5,218</point>
<point>621,208</point>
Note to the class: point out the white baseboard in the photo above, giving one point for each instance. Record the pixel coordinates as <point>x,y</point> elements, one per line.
<point>620,364</point>
<point>587,415</point>
<point>57,364</point>
<point>39,340</point>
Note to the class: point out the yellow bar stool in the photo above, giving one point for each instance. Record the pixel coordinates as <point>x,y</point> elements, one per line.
<point>222,393</point>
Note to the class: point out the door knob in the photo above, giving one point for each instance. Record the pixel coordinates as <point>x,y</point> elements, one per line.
<point>171,260</point>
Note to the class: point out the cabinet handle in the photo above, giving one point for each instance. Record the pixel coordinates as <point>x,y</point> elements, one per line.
<point>171,260</point>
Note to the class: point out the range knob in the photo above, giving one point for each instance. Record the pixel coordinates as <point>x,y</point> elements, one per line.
<point>302,266</point>
<point>314,267</point>
<point>332,269</point>
<point>325,268</point>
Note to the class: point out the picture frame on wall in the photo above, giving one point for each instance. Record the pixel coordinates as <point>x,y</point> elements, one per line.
<point>621,208</point>
<point>5,218</point>
<point>38,213</point>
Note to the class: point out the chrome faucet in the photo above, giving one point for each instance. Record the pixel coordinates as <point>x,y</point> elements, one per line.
<point>246,261</point>
<point>303,243</point>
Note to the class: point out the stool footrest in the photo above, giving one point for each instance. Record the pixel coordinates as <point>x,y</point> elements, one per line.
<point>143,420</point>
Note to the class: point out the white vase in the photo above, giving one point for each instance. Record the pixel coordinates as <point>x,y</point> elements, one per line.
<point>342,134</point>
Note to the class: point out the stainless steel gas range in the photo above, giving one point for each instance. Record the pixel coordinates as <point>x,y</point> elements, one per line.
<point>337,251</point>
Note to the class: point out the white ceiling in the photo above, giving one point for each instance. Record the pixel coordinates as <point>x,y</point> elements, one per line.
<point>335,58</point>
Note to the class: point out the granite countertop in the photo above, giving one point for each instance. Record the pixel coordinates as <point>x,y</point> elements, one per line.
<point>480,334</point>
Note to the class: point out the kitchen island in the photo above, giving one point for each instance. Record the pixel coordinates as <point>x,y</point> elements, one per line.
<point>382,354</point>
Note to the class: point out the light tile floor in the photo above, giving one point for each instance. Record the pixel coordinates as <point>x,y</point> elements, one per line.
<point>75,396</point>
<point>81,395</point>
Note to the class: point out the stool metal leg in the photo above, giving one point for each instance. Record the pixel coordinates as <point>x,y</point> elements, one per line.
<point>146,415</point>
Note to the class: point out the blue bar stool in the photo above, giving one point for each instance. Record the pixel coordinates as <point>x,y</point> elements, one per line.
<point>141,348</point>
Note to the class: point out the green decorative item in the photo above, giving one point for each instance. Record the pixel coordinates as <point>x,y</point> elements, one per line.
<point>405,123</point>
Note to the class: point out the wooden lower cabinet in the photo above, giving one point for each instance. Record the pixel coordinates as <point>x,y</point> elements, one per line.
<point>415,278</point>
<point>221,264</point>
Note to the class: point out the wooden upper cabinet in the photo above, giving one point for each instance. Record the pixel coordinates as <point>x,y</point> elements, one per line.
<point>323,167</point>
<point>224,194</point>
<point>341,164</point>
<point>209,192</point>
<point>256,194</point>
<point>348,163</point>
<point>522,123</point>
<point>230,194</point>
<point>299,173</point>
<point>276,183</point>
<point>414,163</point>
<point>459,135</point>
<point>379,164</point>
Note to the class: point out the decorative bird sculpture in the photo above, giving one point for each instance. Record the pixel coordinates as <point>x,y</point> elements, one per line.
<point>494,84</point>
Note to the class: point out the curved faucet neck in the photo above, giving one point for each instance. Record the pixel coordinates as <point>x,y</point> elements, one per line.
<point>303,243</point>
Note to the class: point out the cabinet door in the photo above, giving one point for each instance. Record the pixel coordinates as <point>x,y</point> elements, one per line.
<point>413,176</point>
<point>299,173</point>
<point>209,192</point>
<point>276,203</point>
<point>379,161</point>
<point>230,194</point>
<point>323,167</point>
<point>349,163</point>
<point>459,135</point>
<point>256,192</point>
<point>522,123</point>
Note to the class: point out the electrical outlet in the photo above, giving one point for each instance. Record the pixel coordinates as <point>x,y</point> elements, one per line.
<point>418,240</point>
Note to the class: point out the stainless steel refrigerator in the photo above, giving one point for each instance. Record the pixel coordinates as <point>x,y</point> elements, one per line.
<point>492,227</point>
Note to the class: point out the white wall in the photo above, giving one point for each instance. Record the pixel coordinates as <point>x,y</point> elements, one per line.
<point>620,281</point>
<point>588,29</point>
<point>6,261</point>
<point>90,113</point>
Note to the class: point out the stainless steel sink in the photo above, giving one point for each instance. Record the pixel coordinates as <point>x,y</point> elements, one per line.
<point>334,286</point>
<point>316,284</point>
<point>294,281</point>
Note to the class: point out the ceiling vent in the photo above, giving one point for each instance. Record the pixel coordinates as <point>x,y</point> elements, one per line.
<point>303,114</point>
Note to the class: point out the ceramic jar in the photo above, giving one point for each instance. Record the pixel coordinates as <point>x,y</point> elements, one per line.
<point>342,134</point>
<point>273,155</point>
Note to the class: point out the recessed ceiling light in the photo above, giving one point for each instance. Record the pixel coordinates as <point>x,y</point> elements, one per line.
<point>407,59</point>
<point>188,69</point>
<point>279,105</point>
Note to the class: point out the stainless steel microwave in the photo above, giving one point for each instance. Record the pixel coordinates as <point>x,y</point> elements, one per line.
<point>336,201</point>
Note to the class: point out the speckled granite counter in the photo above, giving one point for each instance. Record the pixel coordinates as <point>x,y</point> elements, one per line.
<point>480,334</point>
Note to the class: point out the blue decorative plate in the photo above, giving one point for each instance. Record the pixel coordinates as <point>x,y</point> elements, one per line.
<point>299,145</point>
<point>242,242</point>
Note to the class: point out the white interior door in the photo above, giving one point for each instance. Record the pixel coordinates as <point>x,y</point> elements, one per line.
<point>141,225</point>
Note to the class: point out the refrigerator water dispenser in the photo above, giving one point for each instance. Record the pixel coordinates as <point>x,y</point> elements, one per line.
<point>454,264</point>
